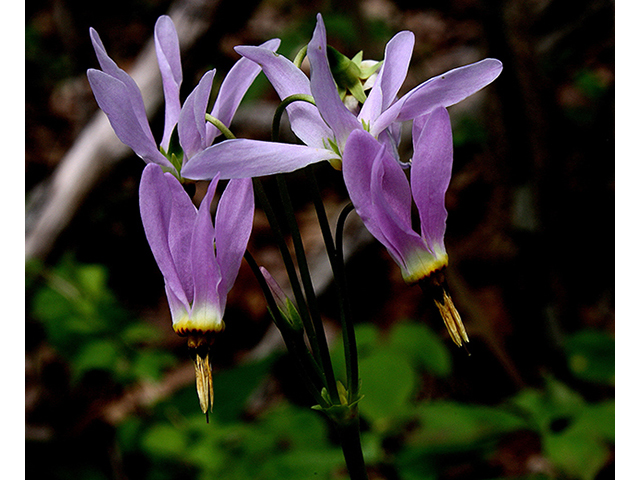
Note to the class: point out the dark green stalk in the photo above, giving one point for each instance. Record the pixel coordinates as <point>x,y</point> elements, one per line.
<point>334,251</point>
<point>349,435</point>
<point>318,327</point>
<point>307,283</point>
<point>288,263</point>
<point>275,125</point>
<point>340,274</point>
<point>309,370</point>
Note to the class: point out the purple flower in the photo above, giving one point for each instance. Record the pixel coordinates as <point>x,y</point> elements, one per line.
<point>325,127</point>
<point>382,197</point>
<point>119,97</point>
<point>199,262</point>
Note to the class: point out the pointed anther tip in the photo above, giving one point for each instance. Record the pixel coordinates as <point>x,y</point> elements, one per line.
<point>199,347</point>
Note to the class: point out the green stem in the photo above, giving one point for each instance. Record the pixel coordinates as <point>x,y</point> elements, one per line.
<point>349,435</point>
<point>288,263</point>
<point>220,126</point>
<point>309,370</point>
<point>305,275</point>
<point>351,346</point>
<point>334,251</point>
<point>297,61</point>
<point>275,125</point>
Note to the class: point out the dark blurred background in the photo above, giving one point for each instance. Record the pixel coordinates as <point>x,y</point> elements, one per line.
<point>110,388</point>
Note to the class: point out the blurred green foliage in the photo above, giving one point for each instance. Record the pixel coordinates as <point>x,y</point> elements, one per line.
<point>85,323</point>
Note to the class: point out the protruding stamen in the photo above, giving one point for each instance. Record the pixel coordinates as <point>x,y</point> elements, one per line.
<point>435,285</point>
<point>452,319</point>
<point>199,345</point>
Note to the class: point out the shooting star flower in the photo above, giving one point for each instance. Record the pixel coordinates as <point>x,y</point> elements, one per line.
<point>325,127</point>
<point>382,197</point>
<point>199,261</point>
<point>121,100</point>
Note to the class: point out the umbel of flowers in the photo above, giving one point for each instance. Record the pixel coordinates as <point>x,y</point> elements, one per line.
<point>347,112</point>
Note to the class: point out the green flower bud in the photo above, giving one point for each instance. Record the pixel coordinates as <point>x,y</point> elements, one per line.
<point>350,73</point>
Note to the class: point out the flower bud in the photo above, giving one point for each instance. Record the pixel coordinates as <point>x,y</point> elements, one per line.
<point>350,73</point>
<point>287,309</point>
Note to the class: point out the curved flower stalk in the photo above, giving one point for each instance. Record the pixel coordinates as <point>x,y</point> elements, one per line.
<point>199,262</point>
<point>119,97</point>
<point>325,127</point>
<point>382,197</point>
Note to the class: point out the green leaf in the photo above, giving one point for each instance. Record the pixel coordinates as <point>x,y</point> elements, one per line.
<point>581,449</point>
<point>600,420</point>
<point>162,440</point>
<point>92,280</point>
<point>575,452</point>
<point>388,383</point>
<point>542,407</point>
<point>416,464</point>
<point>450,426</point>
<point>233,387</point>
<point>422,346</point>
<point>367,337</point>
<point>150,364</point>
<point>591,356</point>
<point>96,355</point>
<point>140,332</point>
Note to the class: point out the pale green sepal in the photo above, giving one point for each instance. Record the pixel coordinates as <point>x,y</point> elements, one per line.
<point>334,146</point>
<point>346,74</point>
<point>293,317</point>
<point>366,72</point>
<point>175,155</point>
<point>290,314</point>
<point>345,412</point>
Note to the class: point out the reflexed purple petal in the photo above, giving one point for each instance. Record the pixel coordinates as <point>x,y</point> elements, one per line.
<point>418,126</point>
<point>431,173</point>
<point>178,309</point>
<point>394,191</point>
<point>397,56</point>
<point>110,68</point>
<point>155,209</point>
<point>324,89</point>
<point>183,217</point>
<point>234,221</point>
<point>191,125</point>
<point>360,152</point>
<point>392,209</point>
<point>168,55</point>
<point>287,80</point>
<point>392,75</point>
<point>243,158</point>
<point>206,271</point>
<point>114,98</point>
<point>372,108</point>
<point>233,89</point>
<point>390,138</point>
<point>443,90</point>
